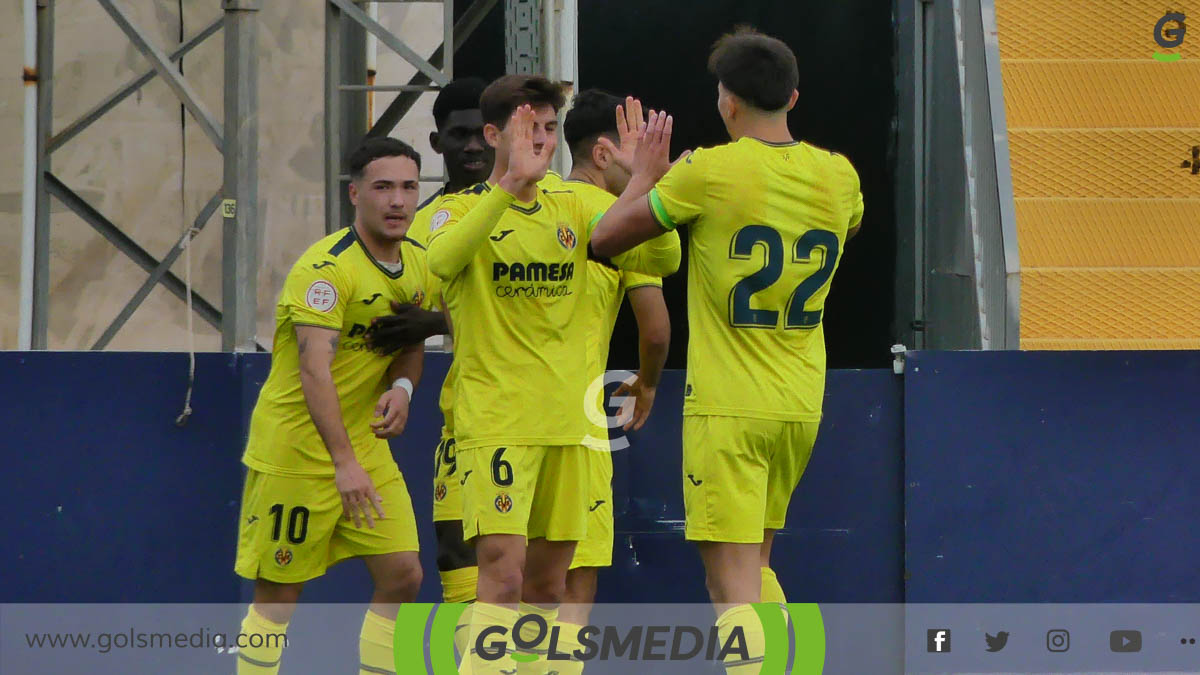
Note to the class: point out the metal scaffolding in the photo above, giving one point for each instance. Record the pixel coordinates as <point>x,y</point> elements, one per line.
<point>238,195</point>
<point>346,123</point>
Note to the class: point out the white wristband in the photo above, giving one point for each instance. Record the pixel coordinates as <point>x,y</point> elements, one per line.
<point>405,384</point>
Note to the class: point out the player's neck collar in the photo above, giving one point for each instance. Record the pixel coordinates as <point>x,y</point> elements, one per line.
<point>392,270</point>
<point>774,144</point>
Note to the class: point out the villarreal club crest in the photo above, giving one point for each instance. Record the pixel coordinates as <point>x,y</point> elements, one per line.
<point>566,236</point>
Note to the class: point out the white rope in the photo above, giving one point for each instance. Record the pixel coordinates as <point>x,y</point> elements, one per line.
<point>186,242</point>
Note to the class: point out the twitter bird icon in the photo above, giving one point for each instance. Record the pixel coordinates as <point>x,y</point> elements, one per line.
<point>997,642</point>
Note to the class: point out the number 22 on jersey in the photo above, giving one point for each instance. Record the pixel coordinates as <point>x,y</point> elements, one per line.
<point>802,251</point>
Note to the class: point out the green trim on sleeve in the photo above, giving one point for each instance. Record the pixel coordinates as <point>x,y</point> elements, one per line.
<point>660,211</point>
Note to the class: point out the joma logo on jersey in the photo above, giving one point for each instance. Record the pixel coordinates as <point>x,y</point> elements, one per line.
<point>534,271</point>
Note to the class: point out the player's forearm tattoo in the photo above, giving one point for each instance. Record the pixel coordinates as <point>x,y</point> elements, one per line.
<point>303,344</point>
<point>333,342</point>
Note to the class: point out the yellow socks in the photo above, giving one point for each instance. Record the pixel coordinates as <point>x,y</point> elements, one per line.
<point>459,585</point>
<point>484,615</point>
<point>529,633</point>
<point>771,590</point>
<point>745,656</point>
<point>270,636</point>
<point>376,651</point>
<point>568,643</point>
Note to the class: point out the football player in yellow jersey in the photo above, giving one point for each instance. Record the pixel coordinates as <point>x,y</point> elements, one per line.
<point>513,260</point>
<point>458,138</point>
<point>322,485</point>
<point>469,159</point>
<point>601,161</point>
<point>768,220</point>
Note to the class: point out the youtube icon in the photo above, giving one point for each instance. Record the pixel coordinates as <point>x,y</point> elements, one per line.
<point>1125,641</point>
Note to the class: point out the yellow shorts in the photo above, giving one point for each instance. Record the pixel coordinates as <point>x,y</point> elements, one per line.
<point>739,474</point>
<point>531,490</point>
<point>597,546</point>
<point>292,528</point>
<point>447,490</point>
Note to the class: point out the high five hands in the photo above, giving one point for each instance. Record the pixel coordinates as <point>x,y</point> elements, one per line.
<point>630,125</point>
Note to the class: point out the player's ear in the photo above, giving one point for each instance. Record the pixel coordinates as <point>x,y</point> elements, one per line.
<point>491,134</point>
<point>600,156</point>
<point>792,99</point>
<point>353,190</point>
<point>434,142</point>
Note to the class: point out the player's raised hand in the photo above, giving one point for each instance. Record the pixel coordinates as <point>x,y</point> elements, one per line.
<point>630,124</point>
<point>526,166</point>
<point>652,159</point>
<point>358,494</point>
<point>391,414</point>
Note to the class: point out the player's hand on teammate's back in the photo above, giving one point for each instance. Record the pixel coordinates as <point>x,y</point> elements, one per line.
<point>630,124</point>
<point>643,401</point>
<point>358,494</point>
<point>526,166</point>
<point>391,414</point>
<point>652,159</point>
<point>408,325</point>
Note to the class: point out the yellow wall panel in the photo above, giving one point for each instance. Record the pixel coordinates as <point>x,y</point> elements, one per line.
<point>1108,221</point>
<point>1110,304</point>
<point>1122,164</point>
<point>1086,29</point>
<point>1108,233</point>
<point>1103,94</point>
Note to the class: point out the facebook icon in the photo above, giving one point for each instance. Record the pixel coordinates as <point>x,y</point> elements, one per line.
<point>937,640</point>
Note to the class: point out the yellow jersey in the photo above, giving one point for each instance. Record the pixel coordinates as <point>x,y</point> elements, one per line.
<point>518,309</point>
<point>605,290</point>
<point>767,224</point>
<point>419,232</point>
<point>335,284</point>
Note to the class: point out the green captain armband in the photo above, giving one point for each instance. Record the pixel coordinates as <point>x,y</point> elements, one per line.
<point>660,211</point>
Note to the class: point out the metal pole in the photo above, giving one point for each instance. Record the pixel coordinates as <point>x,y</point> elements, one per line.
<point>333,150</point>
<point>447,37</point>
<point>41,243</point>
<point>353,113</point>
<point>240,207</point>
<point>28,176</point>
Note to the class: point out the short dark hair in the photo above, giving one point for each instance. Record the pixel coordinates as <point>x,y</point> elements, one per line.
<point>458,95</point>
<point>503,96</point>
<point>759,69</point>
<point>372,149</point>
<point>593,114</point>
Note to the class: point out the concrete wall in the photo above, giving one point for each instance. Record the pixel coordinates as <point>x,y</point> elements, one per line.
<point>132,165</point>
